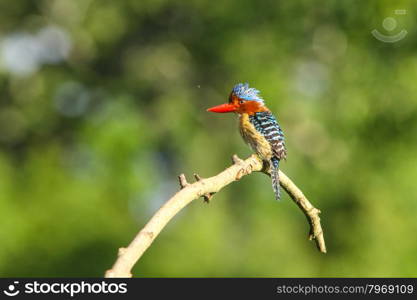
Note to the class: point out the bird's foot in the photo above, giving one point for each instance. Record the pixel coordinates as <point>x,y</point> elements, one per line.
<point>245,170</point>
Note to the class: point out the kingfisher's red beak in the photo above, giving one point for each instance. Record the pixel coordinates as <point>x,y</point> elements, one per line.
<point>223,108</point>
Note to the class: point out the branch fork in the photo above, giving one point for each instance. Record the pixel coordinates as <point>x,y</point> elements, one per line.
<point>183,184</point>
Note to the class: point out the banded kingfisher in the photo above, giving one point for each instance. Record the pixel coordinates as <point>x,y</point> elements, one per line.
<point>258,127</point>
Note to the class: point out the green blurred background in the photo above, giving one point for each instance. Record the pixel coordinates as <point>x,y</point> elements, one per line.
<point>103,104</point>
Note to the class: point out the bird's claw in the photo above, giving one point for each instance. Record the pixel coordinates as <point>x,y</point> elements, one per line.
<point>244,171</point>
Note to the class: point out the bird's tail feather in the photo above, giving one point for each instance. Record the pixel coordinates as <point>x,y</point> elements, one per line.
<point>275,177</point>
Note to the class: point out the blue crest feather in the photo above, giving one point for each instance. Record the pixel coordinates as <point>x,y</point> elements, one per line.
<point>244,92</point>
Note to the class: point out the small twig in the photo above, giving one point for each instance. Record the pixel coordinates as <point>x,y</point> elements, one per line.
<point>128,257</point>
<point>206,196</point>
<point>236,160</point>
<point>183,181</point>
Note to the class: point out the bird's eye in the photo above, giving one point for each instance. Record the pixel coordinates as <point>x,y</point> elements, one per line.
<point>241,101</point>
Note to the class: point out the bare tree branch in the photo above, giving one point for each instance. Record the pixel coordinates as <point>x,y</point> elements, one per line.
<point>127,257</point>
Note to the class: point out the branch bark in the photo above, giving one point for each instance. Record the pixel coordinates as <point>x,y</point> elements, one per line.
<point>127,257</point>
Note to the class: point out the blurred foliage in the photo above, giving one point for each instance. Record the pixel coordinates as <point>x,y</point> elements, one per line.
<point>103,104</point>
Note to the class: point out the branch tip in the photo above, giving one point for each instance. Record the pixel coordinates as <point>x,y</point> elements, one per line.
<point>197,177</point>
<point>236,160</point>
<point>183,181</point>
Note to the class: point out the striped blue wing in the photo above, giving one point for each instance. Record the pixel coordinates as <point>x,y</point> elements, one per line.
<point>266,124</point>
